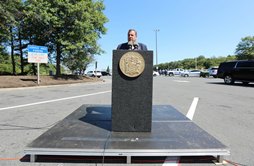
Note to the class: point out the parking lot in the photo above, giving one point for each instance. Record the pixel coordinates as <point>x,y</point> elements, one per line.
<point>224,111</point>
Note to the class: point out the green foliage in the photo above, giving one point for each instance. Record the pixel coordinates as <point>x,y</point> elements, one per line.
<point>77,62</point>
<point>201,61</point>
<point>72,28</point>
<point>108,70</point>
<point>69,28</point>
<point>5,69</point>
<point>6,66</point>
<point>245,49</point>
<point>4,58</point>
<point>7,17</point>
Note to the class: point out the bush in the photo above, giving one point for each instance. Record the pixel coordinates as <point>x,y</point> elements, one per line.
<point>5,69</point>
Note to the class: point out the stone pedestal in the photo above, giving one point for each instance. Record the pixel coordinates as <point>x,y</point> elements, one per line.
<point>132,96</point>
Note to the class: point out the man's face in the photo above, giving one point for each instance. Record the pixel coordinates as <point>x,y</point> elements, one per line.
<point>132,36</point>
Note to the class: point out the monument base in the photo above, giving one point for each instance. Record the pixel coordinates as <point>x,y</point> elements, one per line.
<point>87,132</point>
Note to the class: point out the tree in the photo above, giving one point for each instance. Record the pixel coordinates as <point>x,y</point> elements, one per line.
<point>7,19</point>
<point>77,62</point>
<point>70,26</point>
<point>108,69</point>
<point>9,11</point>
<point>245,49</point>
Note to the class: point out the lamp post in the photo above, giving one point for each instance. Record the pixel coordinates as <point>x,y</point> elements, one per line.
<point>196,63</point>
<point>156,30</point>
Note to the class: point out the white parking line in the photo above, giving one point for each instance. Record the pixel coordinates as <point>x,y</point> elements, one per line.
<point>174,161</point>
<point>50,101</point>
<point>181,81</point>
<point>192,109</point>
<point>171,161</point>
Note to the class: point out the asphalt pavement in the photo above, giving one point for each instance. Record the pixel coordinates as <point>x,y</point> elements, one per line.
<point>224,111</point>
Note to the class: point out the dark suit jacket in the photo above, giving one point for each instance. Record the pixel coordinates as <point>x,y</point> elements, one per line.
<point>124,46</point>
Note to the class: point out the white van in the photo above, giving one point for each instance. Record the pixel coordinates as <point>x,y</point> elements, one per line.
<point>213,71</point>
<point>94,74</point>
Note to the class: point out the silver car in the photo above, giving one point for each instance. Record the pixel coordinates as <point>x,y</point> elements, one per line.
<point>191,73</point>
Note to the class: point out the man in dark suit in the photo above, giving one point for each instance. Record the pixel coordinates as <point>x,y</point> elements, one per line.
<point>132,43</point>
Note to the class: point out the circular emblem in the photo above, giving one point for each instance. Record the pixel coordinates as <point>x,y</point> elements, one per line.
<point>132,64</point>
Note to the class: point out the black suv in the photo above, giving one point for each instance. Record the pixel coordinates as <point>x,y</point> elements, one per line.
<point>241,70</point>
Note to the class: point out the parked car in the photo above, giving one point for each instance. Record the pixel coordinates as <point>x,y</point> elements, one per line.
<point>105,73</point>
<point>213,71</point>
<point>191,73</point>
<point>204,73</point>
<point>156,73</point>
<point>94,74</point>
<point>176,71</point>
<point>241,70</point>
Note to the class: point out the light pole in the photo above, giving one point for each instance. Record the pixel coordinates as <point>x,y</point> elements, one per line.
<point>156,30</point>
<point>196,63</point>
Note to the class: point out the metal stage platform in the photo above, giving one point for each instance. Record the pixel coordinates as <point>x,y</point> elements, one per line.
<point>87,132</point>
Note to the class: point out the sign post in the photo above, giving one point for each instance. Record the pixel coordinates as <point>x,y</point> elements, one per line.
<point>37,54</point>
<point>38,73</point>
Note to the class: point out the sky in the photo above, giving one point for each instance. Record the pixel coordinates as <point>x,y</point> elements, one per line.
<point>187,28</point>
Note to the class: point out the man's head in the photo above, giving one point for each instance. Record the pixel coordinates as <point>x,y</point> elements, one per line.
<point>132,35</point>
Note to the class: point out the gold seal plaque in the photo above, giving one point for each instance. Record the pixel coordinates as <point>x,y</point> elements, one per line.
<point>132,64</point>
